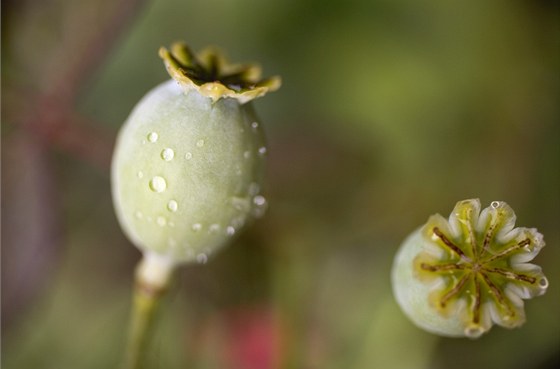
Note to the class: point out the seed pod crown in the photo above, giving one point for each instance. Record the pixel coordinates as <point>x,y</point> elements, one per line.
<point>212,76</point>
<point>473,269</point>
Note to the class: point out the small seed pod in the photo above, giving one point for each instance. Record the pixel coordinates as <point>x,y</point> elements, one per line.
<point>458,277</point>
<point>188,163</point>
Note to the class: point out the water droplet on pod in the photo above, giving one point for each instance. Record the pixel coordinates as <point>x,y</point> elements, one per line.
<point>202,258</point>
<point>247,154</point>
<point>262,150</point>
<point>158,184</point>
<point>200,143</point>
<point>153,137</point>
<point>230,231</point>
<point>139,214</point>
<point>495,204</point>
<point>167,154</point>
<point>140,174</point>
<point>255,125</point>
<point>214,228</point>
<point>188,156</point>
<point>260,206</point>
<point>172,206</point>
<point>474,331</point>
<point>196,227</point>
<point>161,221</point>
<point>259,200</point>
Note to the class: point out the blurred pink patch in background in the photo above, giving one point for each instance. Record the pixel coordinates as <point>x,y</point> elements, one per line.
<point>253,339</point>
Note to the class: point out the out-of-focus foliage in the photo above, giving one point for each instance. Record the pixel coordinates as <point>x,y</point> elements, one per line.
<point>390,111</point>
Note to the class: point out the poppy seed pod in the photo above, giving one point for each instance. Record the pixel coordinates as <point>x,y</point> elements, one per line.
<point>459,276</point>
<point>188,163</point>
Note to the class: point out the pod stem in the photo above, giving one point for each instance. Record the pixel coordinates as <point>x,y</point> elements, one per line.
<point>152,279</point>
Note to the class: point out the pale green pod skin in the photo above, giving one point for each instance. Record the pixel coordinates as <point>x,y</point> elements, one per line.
<point>187,172</point>
<point>457,277</point>
<point>412,295</point>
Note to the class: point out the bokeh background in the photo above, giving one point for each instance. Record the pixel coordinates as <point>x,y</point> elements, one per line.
<point>391,110</point>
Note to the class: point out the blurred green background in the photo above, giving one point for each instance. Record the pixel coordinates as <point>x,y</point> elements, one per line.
<point>390,111</point>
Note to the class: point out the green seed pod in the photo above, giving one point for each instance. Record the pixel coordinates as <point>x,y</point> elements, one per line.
<point>458,277</point>
<point>188,163</point>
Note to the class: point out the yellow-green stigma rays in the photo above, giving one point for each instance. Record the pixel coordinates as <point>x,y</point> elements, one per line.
<point>477,263</point>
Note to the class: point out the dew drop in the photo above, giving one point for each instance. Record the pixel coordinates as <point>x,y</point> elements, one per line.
<point>167,154</point>
<point>202,258</point>
<point>161,221</point>
<point>139,214</point>
<point>196,227</point>
<point>255,125</point>
<point>200,143</point>
<point>158,184</point>
<point>259,200</point>
<point>543,283</point>
<point>140,174</point>
<point>247,154</point>
<point>153,137</point>
<point>495,204</point>
<point>188,156</point>
<point>260,206</point>
<point>474,331</point>
<point>230,231</point>
<point>262,150</point>
<point>172,206</point>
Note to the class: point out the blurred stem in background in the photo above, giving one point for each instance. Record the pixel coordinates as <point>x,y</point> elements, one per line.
<point>44,72</point>
<point>53,90</point>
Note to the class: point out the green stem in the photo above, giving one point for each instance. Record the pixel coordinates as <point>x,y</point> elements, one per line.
<point>153,275</point>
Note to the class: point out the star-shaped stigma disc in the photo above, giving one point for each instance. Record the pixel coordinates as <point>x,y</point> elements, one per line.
<point>477,265</point>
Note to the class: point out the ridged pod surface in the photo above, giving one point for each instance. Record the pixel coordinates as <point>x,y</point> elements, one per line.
<point>459,276</point>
